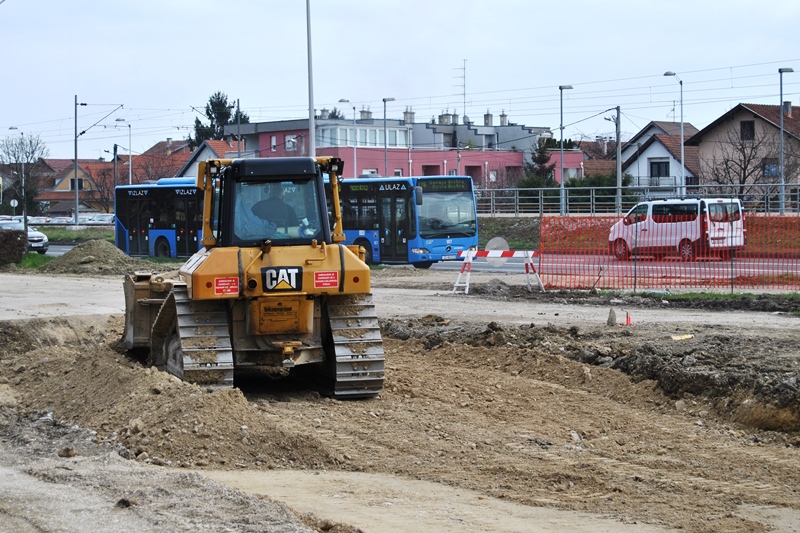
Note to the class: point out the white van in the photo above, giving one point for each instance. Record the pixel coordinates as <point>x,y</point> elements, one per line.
<point>690,228</point>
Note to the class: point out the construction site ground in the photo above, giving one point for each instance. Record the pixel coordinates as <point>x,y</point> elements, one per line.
<point>504,410</point>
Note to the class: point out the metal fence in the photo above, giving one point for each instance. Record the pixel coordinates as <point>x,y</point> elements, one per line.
<point>577,252</point>
<point>756,198</point>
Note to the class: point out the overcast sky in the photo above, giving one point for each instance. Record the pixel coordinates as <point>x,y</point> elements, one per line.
<point>160,59</point>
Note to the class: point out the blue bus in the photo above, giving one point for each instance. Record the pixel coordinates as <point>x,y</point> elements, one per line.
<point>410,220</point>
<point>161,219</point>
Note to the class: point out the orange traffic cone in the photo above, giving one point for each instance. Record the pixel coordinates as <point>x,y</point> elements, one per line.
<point>628,319</point>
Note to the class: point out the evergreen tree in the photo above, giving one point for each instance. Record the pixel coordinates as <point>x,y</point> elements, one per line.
<point>219,114</point>
<point>538,174</point>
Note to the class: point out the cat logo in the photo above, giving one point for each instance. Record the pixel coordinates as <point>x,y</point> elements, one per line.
<point>282,279</point>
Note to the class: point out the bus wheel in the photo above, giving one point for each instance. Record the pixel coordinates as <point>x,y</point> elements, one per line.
<point>686,250</point>
<point>162,248</point>
<point>367,251</point>
<point>426,264</point>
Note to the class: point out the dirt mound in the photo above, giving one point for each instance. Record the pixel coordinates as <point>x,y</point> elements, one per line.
<point>750,380</point>
<point>98,257</point>
<point>487,407</point>
<point>149,414</point>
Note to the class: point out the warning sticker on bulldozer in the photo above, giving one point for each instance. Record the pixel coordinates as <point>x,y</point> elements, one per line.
<point>326,279</point>
<point>226,285</point>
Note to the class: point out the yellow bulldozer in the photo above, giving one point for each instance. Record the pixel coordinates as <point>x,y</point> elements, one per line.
<point>272,286</point>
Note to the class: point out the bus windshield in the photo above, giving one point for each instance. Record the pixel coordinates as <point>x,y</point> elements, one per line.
<point>276,211</point>
<point>447,214</point>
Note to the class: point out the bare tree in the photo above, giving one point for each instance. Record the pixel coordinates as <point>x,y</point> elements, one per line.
<point>103,190</point>
<point>17,151</point>
<point>154,167</point>
<point>750,169</point>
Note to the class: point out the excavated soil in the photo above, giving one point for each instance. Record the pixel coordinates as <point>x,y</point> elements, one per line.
<point>679,426</point>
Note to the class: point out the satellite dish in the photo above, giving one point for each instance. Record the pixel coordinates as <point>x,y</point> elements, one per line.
<point>496,243</point>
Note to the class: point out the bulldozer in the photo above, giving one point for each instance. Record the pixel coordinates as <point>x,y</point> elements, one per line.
<point>271,287</point>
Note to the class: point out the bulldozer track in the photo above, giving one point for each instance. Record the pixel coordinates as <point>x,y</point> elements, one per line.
<point>204,342</point>
<point>358,346</point>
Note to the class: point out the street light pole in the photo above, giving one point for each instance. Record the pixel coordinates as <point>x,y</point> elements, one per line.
<point>385,139</point>
<point>683,161</point>
<point>312,127</point>
<point>563,210</point>
<point>783,177</point>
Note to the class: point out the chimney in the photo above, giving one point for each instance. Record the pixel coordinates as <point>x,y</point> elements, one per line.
<point>444,117</point>
<point>787,109</point>
<point>408,116</point>
<point>488,119</point>
<point>503,118</point>
<point>324,114</point>
<point>366,114</point>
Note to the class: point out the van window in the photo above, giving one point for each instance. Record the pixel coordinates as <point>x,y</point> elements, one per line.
<point>724,212</point>
<point>637,214</point>
<point>673,213</point>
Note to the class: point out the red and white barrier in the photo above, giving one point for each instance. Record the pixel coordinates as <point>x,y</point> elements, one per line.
<point>469,255</point>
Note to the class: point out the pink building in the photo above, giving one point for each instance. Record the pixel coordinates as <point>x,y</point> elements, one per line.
<point>493,156</point>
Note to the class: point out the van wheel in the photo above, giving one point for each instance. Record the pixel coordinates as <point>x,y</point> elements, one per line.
<point>686,250</point>
<point>621,251</point>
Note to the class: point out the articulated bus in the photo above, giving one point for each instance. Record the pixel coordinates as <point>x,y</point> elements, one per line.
<point>161,219</point>
<point>416,220</point>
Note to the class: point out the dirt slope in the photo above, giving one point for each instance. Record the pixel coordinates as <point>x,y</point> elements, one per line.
<point>656,427</point>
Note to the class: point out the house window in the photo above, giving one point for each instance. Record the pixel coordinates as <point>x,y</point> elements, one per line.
<point>402,138</point>
<point>659,169</point>
<point>398,172</point>
<point>392,137</point>
<point>771,167</point>
<point>373,138</point>
<point>748,130</point>
<point>72,184</point>
<point>273,143</point>
<point>291,143</point>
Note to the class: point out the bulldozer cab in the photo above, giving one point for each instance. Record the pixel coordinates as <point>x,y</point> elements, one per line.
<point>276,201</point>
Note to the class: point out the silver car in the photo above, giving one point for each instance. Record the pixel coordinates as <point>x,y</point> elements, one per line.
<point>37,241</point>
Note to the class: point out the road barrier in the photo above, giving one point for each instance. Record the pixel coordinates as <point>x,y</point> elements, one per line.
<point>469,255</point>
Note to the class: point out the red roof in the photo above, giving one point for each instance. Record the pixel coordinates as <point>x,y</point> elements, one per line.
<point>772,113</point>
<point>223,147</point>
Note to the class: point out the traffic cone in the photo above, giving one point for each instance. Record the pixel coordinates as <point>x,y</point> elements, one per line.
<point>628,319</point>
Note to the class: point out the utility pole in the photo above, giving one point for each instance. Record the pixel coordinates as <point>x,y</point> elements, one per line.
<point>619,164</point>
<point>116,177</point>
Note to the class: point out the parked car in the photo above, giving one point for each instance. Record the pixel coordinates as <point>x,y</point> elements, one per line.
<point>37,241</point>
<point>62,220</point>
<point>102,218</point>
<point>38,220</point>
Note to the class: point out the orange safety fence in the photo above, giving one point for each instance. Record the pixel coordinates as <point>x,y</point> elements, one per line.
<point>670,252</point>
